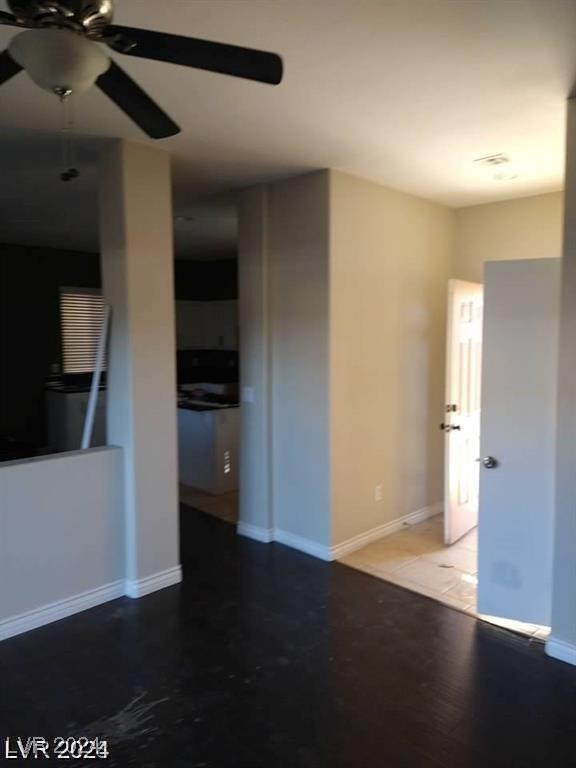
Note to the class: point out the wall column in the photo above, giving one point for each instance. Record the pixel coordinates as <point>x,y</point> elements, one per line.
<point>256,514</point>
<point>284,318</point>
<point>562,642</point>
<point>137,275</point>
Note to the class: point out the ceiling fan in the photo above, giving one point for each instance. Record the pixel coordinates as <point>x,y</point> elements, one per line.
<point>62,51</point>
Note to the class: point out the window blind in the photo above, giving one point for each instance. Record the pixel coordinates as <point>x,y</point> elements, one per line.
<point>81,315</point>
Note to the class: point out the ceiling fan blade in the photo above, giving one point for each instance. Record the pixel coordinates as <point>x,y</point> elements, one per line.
<point>200,54</point>
<point>128,95</point>
<point>8,67</point>
<point>8,19</point>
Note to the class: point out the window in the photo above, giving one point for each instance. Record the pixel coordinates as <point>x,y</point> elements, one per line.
<point>81,314</point>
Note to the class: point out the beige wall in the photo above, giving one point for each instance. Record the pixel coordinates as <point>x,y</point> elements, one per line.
<point>62,540</point>
<point>299,299</point>
<point>390,256</point>
<point>527,228</point>
<point>255,338</point>
<point>136,223</point>
<point>347,283</point>
<point>284,299</point>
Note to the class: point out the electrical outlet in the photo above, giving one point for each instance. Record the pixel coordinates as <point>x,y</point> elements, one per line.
<point>378,493</point>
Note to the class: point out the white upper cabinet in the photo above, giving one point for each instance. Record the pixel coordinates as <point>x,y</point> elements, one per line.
<point>207,324</point>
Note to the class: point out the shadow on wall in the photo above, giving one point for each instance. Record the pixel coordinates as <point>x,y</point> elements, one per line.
<point>30,279</point>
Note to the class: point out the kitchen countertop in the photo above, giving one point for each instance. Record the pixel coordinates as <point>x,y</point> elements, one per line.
<point>69,389</point>
<point>206,406</point>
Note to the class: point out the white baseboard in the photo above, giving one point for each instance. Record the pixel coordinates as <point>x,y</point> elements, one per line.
<point>153,583</point>
<point>325,552</point>
<point>61,609</point>
<point>46,614</point>
<point>387,529</point>
<point>310,547</point>
<point>256,532</point>
<point>559,649</point>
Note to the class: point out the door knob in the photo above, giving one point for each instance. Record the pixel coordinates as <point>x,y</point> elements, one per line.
<point>449,427</point>
<point>489,462</point>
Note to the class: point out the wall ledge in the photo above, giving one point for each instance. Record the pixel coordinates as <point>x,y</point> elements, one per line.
<point>46,614</point>
<point>161,580</point>
<point>325,552</point>
<point>51,457</point>
<point>561,650</point>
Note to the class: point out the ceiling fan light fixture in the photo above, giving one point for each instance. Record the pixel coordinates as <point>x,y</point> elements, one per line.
<point>62,51</point>
<point>59,60</point>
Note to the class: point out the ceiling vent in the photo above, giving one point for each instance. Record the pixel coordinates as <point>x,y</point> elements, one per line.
<point>492,160</point>
<point>500,165</point>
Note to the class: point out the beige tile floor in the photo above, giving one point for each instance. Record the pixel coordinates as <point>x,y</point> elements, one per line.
<point>416,558</point>
<point>224,506</point>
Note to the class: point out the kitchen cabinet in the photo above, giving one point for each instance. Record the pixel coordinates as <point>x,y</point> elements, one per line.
<point>190,332</point>
<point>207,325</point>
<point>208,443</point>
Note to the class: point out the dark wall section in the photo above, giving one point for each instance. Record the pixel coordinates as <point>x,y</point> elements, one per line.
<point>30,279</point>
<point>206,280</point>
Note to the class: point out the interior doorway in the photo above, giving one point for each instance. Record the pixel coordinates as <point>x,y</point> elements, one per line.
<point>207,336</point>
<point>438,557</point>
<point>489,551</point>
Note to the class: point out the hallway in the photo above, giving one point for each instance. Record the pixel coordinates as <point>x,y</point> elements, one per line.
<point>266,658</point>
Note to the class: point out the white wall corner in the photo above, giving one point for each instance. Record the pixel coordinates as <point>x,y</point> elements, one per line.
<point>308,546</point>
<point>256,532</point>
<point>148,584</point>
<point>558,649</point>
<point>394,526</point>
<point>269,535</point>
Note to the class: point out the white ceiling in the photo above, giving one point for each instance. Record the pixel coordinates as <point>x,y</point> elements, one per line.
<point>405,92</point>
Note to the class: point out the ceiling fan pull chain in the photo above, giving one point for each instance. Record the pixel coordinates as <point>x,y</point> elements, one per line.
<point>64,128</point>
<point>70,171</point>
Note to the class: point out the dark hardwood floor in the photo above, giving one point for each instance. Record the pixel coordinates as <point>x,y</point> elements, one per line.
<point>267,658</point>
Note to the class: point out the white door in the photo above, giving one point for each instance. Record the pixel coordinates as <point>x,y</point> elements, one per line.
<point>520,359</point>
<point>461,423</point>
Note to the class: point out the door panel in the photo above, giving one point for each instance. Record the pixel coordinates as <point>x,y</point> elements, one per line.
<point>462,413</point>
<point>519,379</point>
